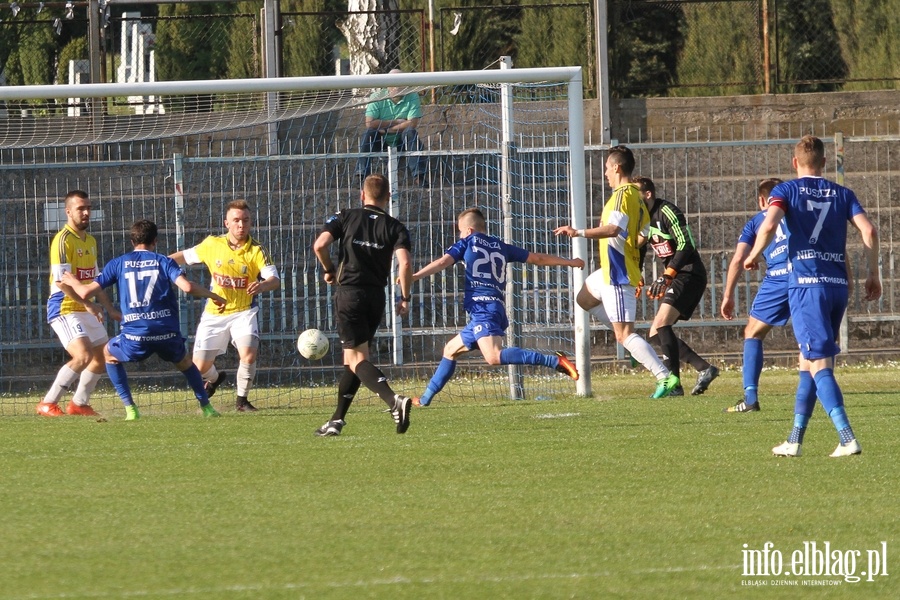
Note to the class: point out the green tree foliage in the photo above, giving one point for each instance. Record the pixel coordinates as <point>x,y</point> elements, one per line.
<point>191,45</point>
<point>868,43</point>
<point>554,37</point>
<point>244,58</point>
<point>309,41</point>
<point>484,35</point>
<point>31,63</point>
<point>808,47</point>
<point>644,42</point>
<point>722,47</point>
<point>77,49</point>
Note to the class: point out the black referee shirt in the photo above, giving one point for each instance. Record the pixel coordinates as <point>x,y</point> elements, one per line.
<point>366,238</point>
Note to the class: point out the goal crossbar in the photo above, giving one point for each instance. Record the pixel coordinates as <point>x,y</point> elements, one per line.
<point>289,84</point>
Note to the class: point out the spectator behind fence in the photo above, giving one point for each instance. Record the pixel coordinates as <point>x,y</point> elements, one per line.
<point>391,120</point>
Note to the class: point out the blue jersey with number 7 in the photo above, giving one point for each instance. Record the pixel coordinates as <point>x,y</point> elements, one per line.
<point>816,212</point>
<point>147,299</point>
<point>485,258</point>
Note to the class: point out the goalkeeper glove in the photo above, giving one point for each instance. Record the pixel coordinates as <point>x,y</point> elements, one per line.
<point>640,286</point>
<point>658,288</point>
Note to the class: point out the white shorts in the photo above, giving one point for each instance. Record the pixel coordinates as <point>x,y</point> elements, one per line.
<point>215,331</point>
<point>618,300</point>
<point>80,324</point>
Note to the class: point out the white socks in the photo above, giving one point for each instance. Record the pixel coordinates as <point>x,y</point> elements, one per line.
<point>86,384</point>
<point>244,379</point>
<point>64,378</point>
<point>211,375</point>
<point>644,354</point>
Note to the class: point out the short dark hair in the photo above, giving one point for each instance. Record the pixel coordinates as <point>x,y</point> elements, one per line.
<point>73,194</point>
<point>645,184</point>
<point>377,188</point>
<point>624,157</point>
<point>766,186</point>
<point>143,233</point>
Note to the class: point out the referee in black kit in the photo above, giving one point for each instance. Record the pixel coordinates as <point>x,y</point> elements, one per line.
<point>367,239</point>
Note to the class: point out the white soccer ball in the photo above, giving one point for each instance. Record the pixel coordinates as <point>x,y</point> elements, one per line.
<point>312,344</point>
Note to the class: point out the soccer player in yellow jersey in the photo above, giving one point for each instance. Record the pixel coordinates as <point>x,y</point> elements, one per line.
<point>609,293</point>
<point>78,323</point>
<point>241,269</point>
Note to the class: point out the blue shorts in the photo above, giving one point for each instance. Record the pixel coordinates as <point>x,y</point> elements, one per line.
<point>816,313</point>
<point>771,303</point>
<point>126,350</point>
<point>487,321</point>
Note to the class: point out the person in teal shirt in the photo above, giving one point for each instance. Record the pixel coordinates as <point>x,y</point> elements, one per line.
<point>391,120</point>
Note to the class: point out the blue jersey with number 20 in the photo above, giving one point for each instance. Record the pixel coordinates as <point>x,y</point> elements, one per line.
<point>486,258</point>
<point>816,212</point>
<point>148,302</point>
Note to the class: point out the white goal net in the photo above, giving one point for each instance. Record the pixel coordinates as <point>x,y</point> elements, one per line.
<point>509,141</point>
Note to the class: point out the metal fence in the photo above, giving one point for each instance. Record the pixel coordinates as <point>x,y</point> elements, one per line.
<point>655,47</point>
<point>714,183</point>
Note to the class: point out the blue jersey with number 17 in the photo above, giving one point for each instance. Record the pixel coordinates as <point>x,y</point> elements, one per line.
<point>816,212</point>
<point>486,258</point>
<point>148,302</point>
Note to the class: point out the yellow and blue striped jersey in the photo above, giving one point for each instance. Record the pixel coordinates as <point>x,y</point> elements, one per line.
<point>68,252</point>
<point>620,255</point>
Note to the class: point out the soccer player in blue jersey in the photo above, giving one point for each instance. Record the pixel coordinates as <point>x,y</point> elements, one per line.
<point>770,307</point>
<point>485,258</point>
<point>816,212</point>
<point>149,308</point>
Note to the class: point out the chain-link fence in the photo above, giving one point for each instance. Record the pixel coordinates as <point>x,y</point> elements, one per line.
<point>655,47</point>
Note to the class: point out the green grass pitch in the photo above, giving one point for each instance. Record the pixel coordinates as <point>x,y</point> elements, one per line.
<point>616,496</point>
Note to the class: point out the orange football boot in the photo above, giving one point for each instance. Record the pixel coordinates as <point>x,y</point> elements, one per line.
<point>48,409</point>
<point>84,411</point>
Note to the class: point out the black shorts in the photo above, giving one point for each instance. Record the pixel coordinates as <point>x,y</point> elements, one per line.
<point>358,311</point>
<point>685,292</point>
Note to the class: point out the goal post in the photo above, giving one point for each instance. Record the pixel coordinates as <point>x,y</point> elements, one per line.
<point>508,140</point>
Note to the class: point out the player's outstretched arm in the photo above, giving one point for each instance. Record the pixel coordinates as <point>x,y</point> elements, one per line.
<point>735,268</point>
<point>594,233</point>
<point>550,260</point>
<point>73,288</point>
<point>111,308</point>
<point>198,291</point>
<point>435,266</point>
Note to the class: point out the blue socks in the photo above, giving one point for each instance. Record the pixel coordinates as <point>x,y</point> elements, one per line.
<point>441,376</point>
<point>508,356</point>
<point>195,380</point>
<point>753,363</point>
<point>119,379</point>
<point>833,402</point>
<point>825,386</point>
<point>518,356</point>
<point>803,407</point>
